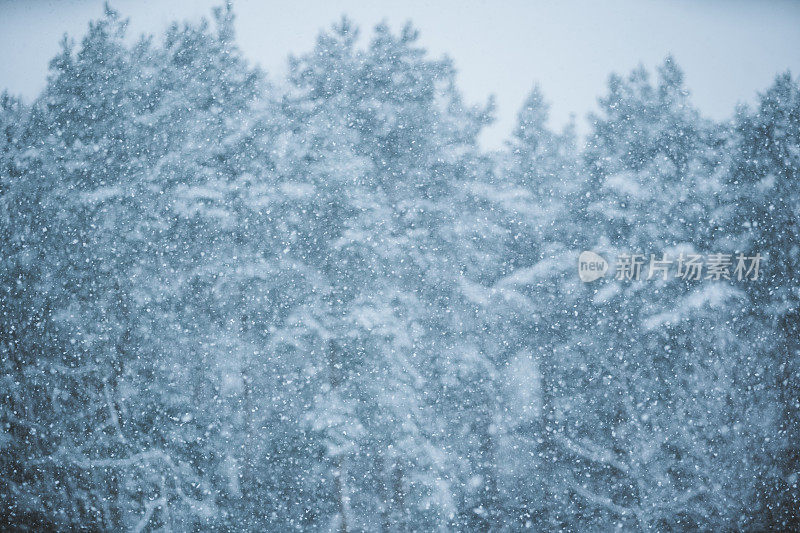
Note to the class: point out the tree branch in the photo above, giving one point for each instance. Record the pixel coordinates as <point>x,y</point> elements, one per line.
<point>592,453</point>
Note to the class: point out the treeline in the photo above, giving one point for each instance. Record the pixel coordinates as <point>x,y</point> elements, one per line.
<point>232,305</point>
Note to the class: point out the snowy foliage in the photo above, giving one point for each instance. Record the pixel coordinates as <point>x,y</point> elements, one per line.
<point>233,304</point>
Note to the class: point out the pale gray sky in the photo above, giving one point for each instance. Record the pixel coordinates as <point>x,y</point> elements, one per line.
<point>728,49</point>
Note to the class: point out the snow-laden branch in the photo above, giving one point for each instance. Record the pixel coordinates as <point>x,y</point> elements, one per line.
<point>591,452</point>
<point>84,462</point>
<point>603,501</point>
<point>112,413</point>
<point>149,509</point>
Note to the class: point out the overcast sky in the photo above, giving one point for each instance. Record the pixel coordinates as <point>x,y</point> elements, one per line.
<point>728,49</point>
